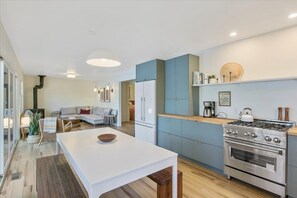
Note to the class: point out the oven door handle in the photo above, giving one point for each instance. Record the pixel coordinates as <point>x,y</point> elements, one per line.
<point>280,152</point>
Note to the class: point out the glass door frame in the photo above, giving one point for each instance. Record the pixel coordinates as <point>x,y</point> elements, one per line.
<point>1,118</point>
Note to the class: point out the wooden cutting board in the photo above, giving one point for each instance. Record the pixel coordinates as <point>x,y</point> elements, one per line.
<point>232,72</point>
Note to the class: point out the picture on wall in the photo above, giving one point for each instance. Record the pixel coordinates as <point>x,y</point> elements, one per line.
<point>224,98</point>
<point>107,94</point>
<point>102,94</point>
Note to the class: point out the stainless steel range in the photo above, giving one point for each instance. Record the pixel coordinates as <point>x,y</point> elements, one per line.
<point>256,152</point>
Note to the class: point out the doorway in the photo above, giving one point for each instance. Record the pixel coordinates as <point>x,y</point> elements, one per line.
<point>128,105</point>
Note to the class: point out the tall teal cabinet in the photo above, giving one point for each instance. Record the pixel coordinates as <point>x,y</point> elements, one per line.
<point>292,166</point>
<point>180,97</point>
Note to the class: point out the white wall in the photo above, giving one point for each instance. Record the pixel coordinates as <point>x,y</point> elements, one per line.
<point>266,56</point>
<point>59,92</point>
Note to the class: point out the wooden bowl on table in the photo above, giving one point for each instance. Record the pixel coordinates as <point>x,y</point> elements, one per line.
<point>108,137</point>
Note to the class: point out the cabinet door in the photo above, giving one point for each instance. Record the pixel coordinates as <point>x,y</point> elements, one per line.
<point>170,142</point>
<point>170,105</point>
<point>182,106</point>
<point>138,102</point>
<point>292,148</point>
<point>146,71</point>
<point>204,132</point>
<point>149,102</point>
<point>207,154</point>
<point>292,181</point>
<point>170,79</point>
<point>145,133</point>
<point>182,77</point>
<point>169,125</point>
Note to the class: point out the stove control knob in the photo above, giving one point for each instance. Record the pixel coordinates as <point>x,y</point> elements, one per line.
<point>276,140</point>
<point>246,134</point>
<point>228,131</point>
<point>254,135</point>
<point>267,138</point>
<point>234,132</point>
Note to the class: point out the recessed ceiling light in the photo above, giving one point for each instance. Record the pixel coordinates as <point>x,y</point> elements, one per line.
<point>71,75</point>
<point>293,15</point>
<point>233,34</point>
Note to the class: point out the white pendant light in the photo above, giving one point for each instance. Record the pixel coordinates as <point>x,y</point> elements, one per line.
<point>103,58</point>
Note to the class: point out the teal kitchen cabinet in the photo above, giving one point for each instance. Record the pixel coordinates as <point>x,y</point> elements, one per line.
<point>148,70</point>
<point>204,132</point>
<point>292,166</point>
<point>180,97</point>
<point>169,125</point>
<point>202,152</point>
<point>169,134</point>
<point>203,142</point>
<point>170,142</point>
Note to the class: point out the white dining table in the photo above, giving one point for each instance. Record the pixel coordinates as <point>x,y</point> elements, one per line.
<point>102,167</point>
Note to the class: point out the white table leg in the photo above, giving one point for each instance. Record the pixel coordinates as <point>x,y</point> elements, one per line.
<point>58,148</point>
<point>174,179</point>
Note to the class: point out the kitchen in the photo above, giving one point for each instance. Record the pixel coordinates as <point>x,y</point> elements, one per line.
<point>268,82</point>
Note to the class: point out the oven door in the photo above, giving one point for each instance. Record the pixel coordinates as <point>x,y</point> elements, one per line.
<point>262,161</point>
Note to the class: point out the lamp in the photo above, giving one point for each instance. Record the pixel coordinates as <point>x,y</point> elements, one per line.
<point>71,75</point>
<point>95,89</point>
<point>103,58</point>
<point>7,123</point>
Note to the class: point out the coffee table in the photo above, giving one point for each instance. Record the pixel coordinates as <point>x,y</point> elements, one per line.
<point>75,121</point>
<point>102,167</point>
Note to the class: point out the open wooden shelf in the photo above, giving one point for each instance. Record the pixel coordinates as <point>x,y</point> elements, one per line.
<point>247,81</point>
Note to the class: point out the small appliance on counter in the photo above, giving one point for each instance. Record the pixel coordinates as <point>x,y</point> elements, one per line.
<point>209,109</point>
<point>247,115</point>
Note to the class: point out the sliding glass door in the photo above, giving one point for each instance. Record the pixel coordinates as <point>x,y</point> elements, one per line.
<point>8,121</point>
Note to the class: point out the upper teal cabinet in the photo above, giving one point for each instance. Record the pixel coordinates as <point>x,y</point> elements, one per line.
<point>180,97</point>
<point>148,70</point>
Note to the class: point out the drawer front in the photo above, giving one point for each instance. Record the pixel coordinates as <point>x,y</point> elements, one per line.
<point>170,142</point>
<point>292,181</point>
<point>203,132</point>
<point>292,150</point>
<point>208,154</point>
<point>169,125</point>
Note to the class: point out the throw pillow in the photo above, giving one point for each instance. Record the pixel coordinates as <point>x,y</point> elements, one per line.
<point>84,111</point>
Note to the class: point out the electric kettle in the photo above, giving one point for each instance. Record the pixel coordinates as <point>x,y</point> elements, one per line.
<point>247,115</point>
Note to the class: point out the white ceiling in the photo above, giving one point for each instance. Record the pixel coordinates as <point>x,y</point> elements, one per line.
<point>52,37</point>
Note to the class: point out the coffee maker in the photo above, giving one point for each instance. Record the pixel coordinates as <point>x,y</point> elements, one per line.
<point>209,109</point>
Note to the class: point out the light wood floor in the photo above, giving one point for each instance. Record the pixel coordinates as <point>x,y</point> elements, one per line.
<point>197,181</point>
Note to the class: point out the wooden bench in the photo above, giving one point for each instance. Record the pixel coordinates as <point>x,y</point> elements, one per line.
<point>163,178</point>
<point>55,179</point>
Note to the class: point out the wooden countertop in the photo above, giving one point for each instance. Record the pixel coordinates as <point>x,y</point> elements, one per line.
<point>220,121</point>
<point>293,131</point>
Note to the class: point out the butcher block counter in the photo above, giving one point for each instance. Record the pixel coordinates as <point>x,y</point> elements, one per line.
<point>220,121</point>
<point>293,131</point>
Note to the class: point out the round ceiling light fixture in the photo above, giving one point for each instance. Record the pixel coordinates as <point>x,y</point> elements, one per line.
<point>103,58</point>
<point>293,15</point>
<point>71,75</point>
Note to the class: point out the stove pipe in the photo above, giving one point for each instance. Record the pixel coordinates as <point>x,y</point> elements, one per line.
<point>40,86</point>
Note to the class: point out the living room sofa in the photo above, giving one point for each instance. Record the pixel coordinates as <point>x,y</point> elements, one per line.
<point>92,115</point>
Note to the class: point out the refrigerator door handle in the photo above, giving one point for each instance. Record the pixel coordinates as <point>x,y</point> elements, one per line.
<point>143,108</point>
<point>145,125</point>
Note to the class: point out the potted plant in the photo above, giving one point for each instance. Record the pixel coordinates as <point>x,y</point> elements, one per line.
<point>33,136</point>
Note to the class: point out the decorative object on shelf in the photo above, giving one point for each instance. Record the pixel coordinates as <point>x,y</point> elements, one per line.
<point>196,77</point>
<point>224,98</point>
<point>108,137</point>
<point>287,114</point>
<point>103,58</point>
<point>280,113</point>
<point>102,94</point>
<point>33,131</point>
<point>212,79</point>
<point>231,72</point>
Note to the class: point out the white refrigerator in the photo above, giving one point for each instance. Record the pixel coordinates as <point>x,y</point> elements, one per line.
<point>145,111</point>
